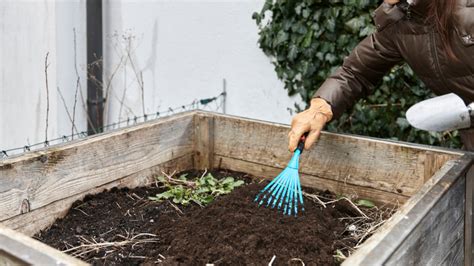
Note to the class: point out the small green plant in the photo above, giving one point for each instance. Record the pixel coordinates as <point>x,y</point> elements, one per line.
<point>202,191</point>
<point>365,203</point>
<point>339,256</point>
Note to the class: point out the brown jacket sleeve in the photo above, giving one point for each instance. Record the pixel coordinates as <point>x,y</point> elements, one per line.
<point>364,67</point>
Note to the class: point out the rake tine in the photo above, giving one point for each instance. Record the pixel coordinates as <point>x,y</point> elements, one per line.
<point>295,195</point>
<point>282,201</point>
<point>291,192</point>
<point>270,193</point>
<point>300,194</point>
<point>286,203</point>
<point>262,192</point>
<point>275,193</point>
<point>275,180</point>
<point>281,192</point>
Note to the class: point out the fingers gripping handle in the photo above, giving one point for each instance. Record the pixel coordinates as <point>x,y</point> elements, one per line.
<point>301,142</point>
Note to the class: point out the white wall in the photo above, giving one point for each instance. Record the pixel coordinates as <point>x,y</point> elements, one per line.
<point>182,49</point>
<point>29,30</point>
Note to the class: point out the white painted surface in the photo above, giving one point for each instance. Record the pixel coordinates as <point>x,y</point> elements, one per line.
<point>29,30</point>
<point>182,49</point>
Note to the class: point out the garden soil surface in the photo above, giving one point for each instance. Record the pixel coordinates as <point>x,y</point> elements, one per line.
<point>123,227</point>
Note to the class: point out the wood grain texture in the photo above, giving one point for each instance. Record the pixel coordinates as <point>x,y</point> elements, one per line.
<point>432,162</point>
<point>439,235</point>
<point>32,222</point>
<point>430,222</point>
<point>39,178</point>
<point>21,249</point>
<point>7,259</point>
<point>468,226</point>
<point>363,162</point>
<point>204,141</point>
<point>352,191</point>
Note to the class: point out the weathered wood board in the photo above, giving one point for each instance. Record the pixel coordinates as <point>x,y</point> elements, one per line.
<point>352,191</point>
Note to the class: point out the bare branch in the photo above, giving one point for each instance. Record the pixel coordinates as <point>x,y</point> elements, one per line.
<point>78,86</point>
<point>46,65</point>
<point>71,119</point>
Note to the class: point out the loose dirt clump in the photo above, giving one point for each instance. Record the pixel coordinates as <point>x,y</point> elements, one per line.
<point>123,227</point>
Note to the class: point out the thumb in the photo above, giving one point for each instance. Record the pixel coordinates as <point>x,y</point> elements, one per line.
<point>312,138</point>
<point>293,139</point>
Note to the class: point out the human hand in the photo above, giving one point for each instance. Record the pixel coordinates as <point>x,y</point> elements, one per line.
<point>311,120</point>
<point>391,2</point>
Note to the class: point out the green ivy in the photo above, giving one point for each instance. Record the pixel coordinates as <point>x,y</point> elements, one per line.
<point>307,40</point>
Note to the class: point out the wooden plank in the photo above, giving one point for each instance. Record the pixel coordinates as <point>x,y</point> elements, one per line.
<point>37,179</point>
<point>432,162</point>
<point>32,222</point>
<point>308,180</point>
<point>353,160</point>
<point>468,228</point>
<point>22,250</point>
<point>204,141</point>
<point>437,233</point>
<point>10,260</point>
<point>426,227</point>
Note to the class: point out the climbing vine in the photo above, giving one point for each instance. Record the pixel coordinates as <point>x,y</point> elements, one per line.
<point>308,39</point>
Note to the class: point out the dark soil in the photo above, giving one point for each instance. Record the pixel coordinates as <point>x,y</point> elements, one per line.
<point>229,231</point>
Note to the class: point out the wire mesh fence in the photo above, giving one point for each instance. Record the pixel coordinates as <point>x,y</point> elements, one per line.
<point>215,104</point>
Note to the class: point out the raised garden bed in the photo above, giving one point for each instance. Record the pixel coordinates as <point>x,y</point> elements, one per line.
<point>428,185</point>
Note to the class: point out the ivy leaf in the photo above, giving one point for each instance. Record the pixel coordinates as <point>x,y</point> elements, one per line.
<point>293,53</point>
<point>282,37</point>
<point>307,39</point>
<point>256,16</point>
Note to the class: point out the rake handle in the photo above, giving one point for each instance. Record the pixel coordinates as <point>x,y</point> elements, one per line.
<point>301,142</point>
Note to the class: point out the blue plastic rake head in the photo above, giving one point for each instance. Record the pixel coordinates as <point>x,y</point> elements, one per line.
<point>284,191</point>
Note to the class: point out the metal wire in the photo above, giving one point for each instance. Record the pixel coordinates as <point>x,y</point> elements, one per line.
<point>196,104</point>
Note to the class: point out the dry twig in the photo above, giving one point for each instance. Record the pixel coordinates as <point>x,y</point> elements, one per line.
<point>177,181</point>
<point>175,207</point>
<point>359,228</point>
<point>71,118</point>
<point>92,245</point>
<point>298,260</point>
<point>315,197</point>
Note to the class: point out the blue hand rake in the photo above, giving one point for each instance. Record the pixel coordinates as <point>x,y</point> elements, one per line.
<point>284,191</point>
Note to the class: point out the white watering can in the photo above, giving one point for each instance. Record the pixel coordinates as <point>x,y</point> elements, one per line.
<point>442,113</point>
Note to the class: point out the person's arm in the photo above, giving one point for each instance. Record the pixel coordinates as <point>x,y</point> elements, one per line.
<point>361,71</point>
<point>356,78</point>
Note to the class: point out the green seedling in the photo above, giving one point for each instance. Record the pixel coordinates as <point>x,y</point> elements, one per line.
<point>365,203</point>
<point>202,191</point>
<point>339,256</point>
